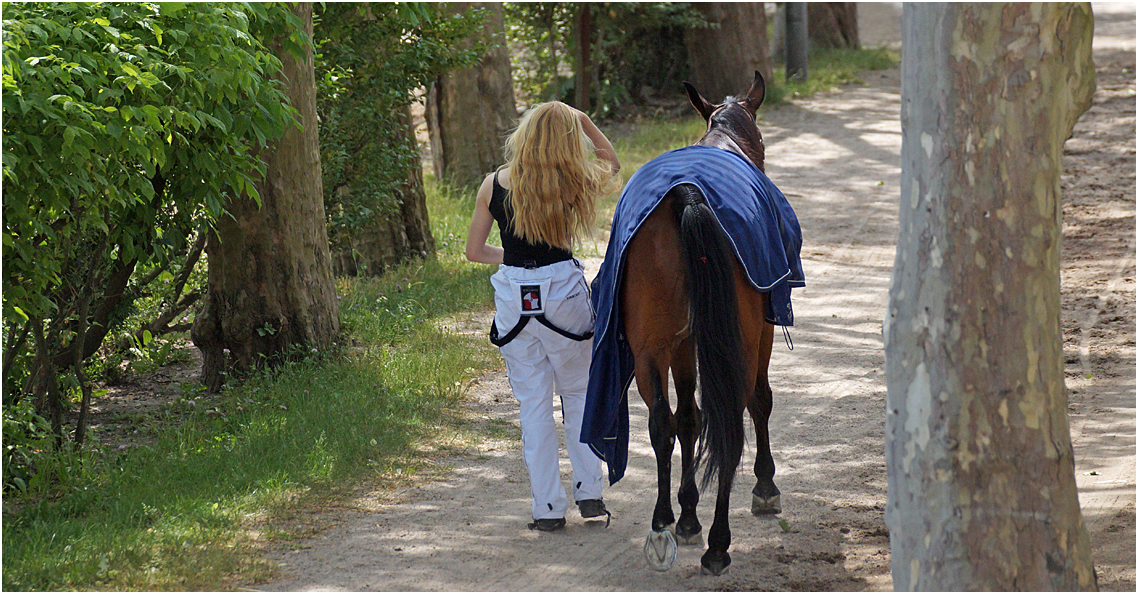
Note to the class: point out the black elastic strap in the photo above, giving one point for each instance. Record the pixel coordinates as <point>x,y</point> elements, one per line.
<point>501,341</point>
<point>512,334</point>
<point>786,337</point>
<point>578,337</point>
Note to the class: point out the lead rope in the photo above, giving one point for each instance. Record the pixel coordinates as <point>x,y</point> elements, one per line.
<point>786,337</point>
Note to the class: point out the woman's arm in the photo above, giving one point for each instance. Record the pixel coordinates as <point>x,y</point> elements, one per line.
<point>600,141</point>
<point>477,250</point>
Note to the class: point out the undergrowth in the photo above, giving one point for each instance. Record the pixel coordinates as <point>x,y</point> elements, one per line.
<point>175,515</point>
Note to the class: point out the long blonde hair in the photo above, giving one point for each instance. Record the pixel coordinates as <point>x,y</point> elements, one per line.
<point>555,177</point>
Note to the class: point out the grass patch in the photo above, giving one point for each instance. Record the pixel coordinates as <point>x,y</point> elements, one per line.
<point>175,515</point>
<point>828,69</point>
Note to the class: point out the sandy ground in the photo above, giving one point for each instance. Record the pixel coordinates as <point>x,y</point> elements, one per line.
<point>837,158</point>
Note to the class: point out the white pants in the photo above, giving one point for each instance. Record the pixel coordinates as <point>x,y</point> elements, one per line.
<point>538,361</point>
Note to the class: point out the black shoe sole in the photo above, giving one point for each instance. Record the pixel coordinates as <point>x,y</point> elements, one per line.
<point>548,525</point>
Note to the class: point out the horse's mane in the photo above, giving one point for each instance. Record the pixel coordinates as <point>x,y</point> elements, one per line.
<point>735,122</point>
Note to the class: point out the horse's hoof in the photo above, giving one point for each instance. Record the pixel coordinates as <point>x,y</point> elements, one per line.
<point>689,531</point>
<point>711,565</point>
<point>766,505</point>
<point>691,539</point>
<point>660,549</point>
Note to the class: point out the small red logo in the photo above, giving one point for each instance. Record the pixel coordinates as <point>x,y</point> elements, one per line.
<point>531,298</point>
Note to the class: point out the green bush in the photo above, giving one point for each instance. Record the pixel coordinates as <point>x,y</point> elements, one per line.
<point>27,441</point>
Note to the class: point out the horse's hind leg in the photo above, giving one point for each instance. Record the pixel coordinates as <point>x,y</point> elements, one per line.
<point>688,529</point>
<point>717,560</point>
<point>660,548</point>
<point>765,497</point>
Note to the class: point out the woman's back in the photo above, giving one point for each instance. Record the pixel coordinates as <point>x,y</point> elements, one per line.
<point>519,252</point>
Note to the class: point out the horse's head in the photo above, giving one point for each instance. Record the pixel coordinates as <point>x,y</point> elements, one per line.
<point>731,124</point>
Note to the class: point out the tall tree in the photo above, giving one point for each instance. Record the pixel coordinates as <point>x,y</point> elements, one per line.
<point>724,58</point>
<point>833,24</point>
<point>270,276</point>
<point>464,148</point>
<point>982,489</point>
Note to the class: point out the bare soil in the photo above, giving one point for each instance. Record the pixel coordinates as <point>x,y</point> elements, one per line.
<point>837,157</point>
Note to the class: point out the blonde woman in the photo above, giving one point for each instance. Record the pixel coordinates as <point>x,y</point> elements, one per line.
<point>557,164</point>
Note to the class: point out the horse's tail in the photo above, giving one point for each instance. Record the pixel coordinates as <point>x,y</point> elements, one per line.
<point>714,321</point>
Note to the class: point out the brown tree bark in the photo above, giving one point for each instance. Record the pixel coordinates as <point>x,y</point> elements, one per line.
<point>388,240</point>
<point>724,59</point>
<point>583,78</point>
<point>470,111</point>
<point>833,24</point>
<point>270,290</point>
<point>982,489</point>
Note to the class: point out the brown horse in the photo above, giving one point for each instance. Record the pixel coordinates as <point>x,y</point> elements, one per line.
<point>685,297</point>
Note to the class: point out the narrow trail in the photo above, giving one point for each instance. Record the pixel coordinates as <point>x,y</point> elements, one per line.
<point>837,158</point>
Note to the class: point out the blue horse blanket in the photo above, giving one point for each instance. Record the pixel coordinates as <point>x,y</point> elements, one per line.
<point>765,235</point>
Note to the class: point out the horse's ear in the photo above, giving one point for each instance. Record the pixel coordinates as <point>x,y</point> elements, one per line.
<point>756,94</point>
<point>701,105</point>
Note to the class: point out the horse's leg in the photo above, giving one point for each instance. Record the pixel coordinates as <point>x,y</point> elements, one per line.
<point>688,529</point>
<point>655,310</point>
<point>661,547</point>
<point>717,560</point>
<point>765,497</point>
<point>751,308</point>
<point>661,430</point>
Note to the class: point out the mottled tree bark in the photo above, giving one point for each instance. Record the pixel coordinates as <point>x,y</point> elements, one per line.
<point>982,489</point>
<point>470,111</point>
<point>270,290</point>
<point>724,60</point>
<point>833,24</point>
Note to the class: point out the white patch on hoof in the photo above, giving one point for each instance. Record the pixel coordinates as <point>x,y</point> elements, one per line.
<point>695,539</point>
<point>660,549</point>
<point>705,571</point>
<point>761,506</point>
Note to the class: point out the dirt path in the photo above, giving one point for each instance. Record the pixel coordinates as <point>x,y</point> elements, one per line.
<point>837,157</point>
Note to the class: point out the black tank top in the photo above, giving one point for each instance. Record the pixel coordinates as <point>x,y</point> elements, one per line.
<point>519,252</point>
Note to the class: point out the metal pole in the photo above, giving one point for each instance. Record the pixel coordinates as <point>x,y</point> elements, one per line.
<point>796,41</point>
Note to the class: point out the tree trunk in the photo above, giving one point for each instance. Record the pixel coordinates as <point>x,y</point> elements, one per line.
<point>981,474</point>
<point>470,111</point>
<point>833,24</point>
<point>584,71</point>
<point>270,279</point>
<point>724,60</point>
<point>391,239</point>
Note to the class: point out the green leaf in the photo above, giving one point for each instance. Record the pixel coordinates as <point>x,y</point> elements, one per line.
<point>20,313</point>
<point>147,337</point>
<point>152,116</point>
<point>170,8</point>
